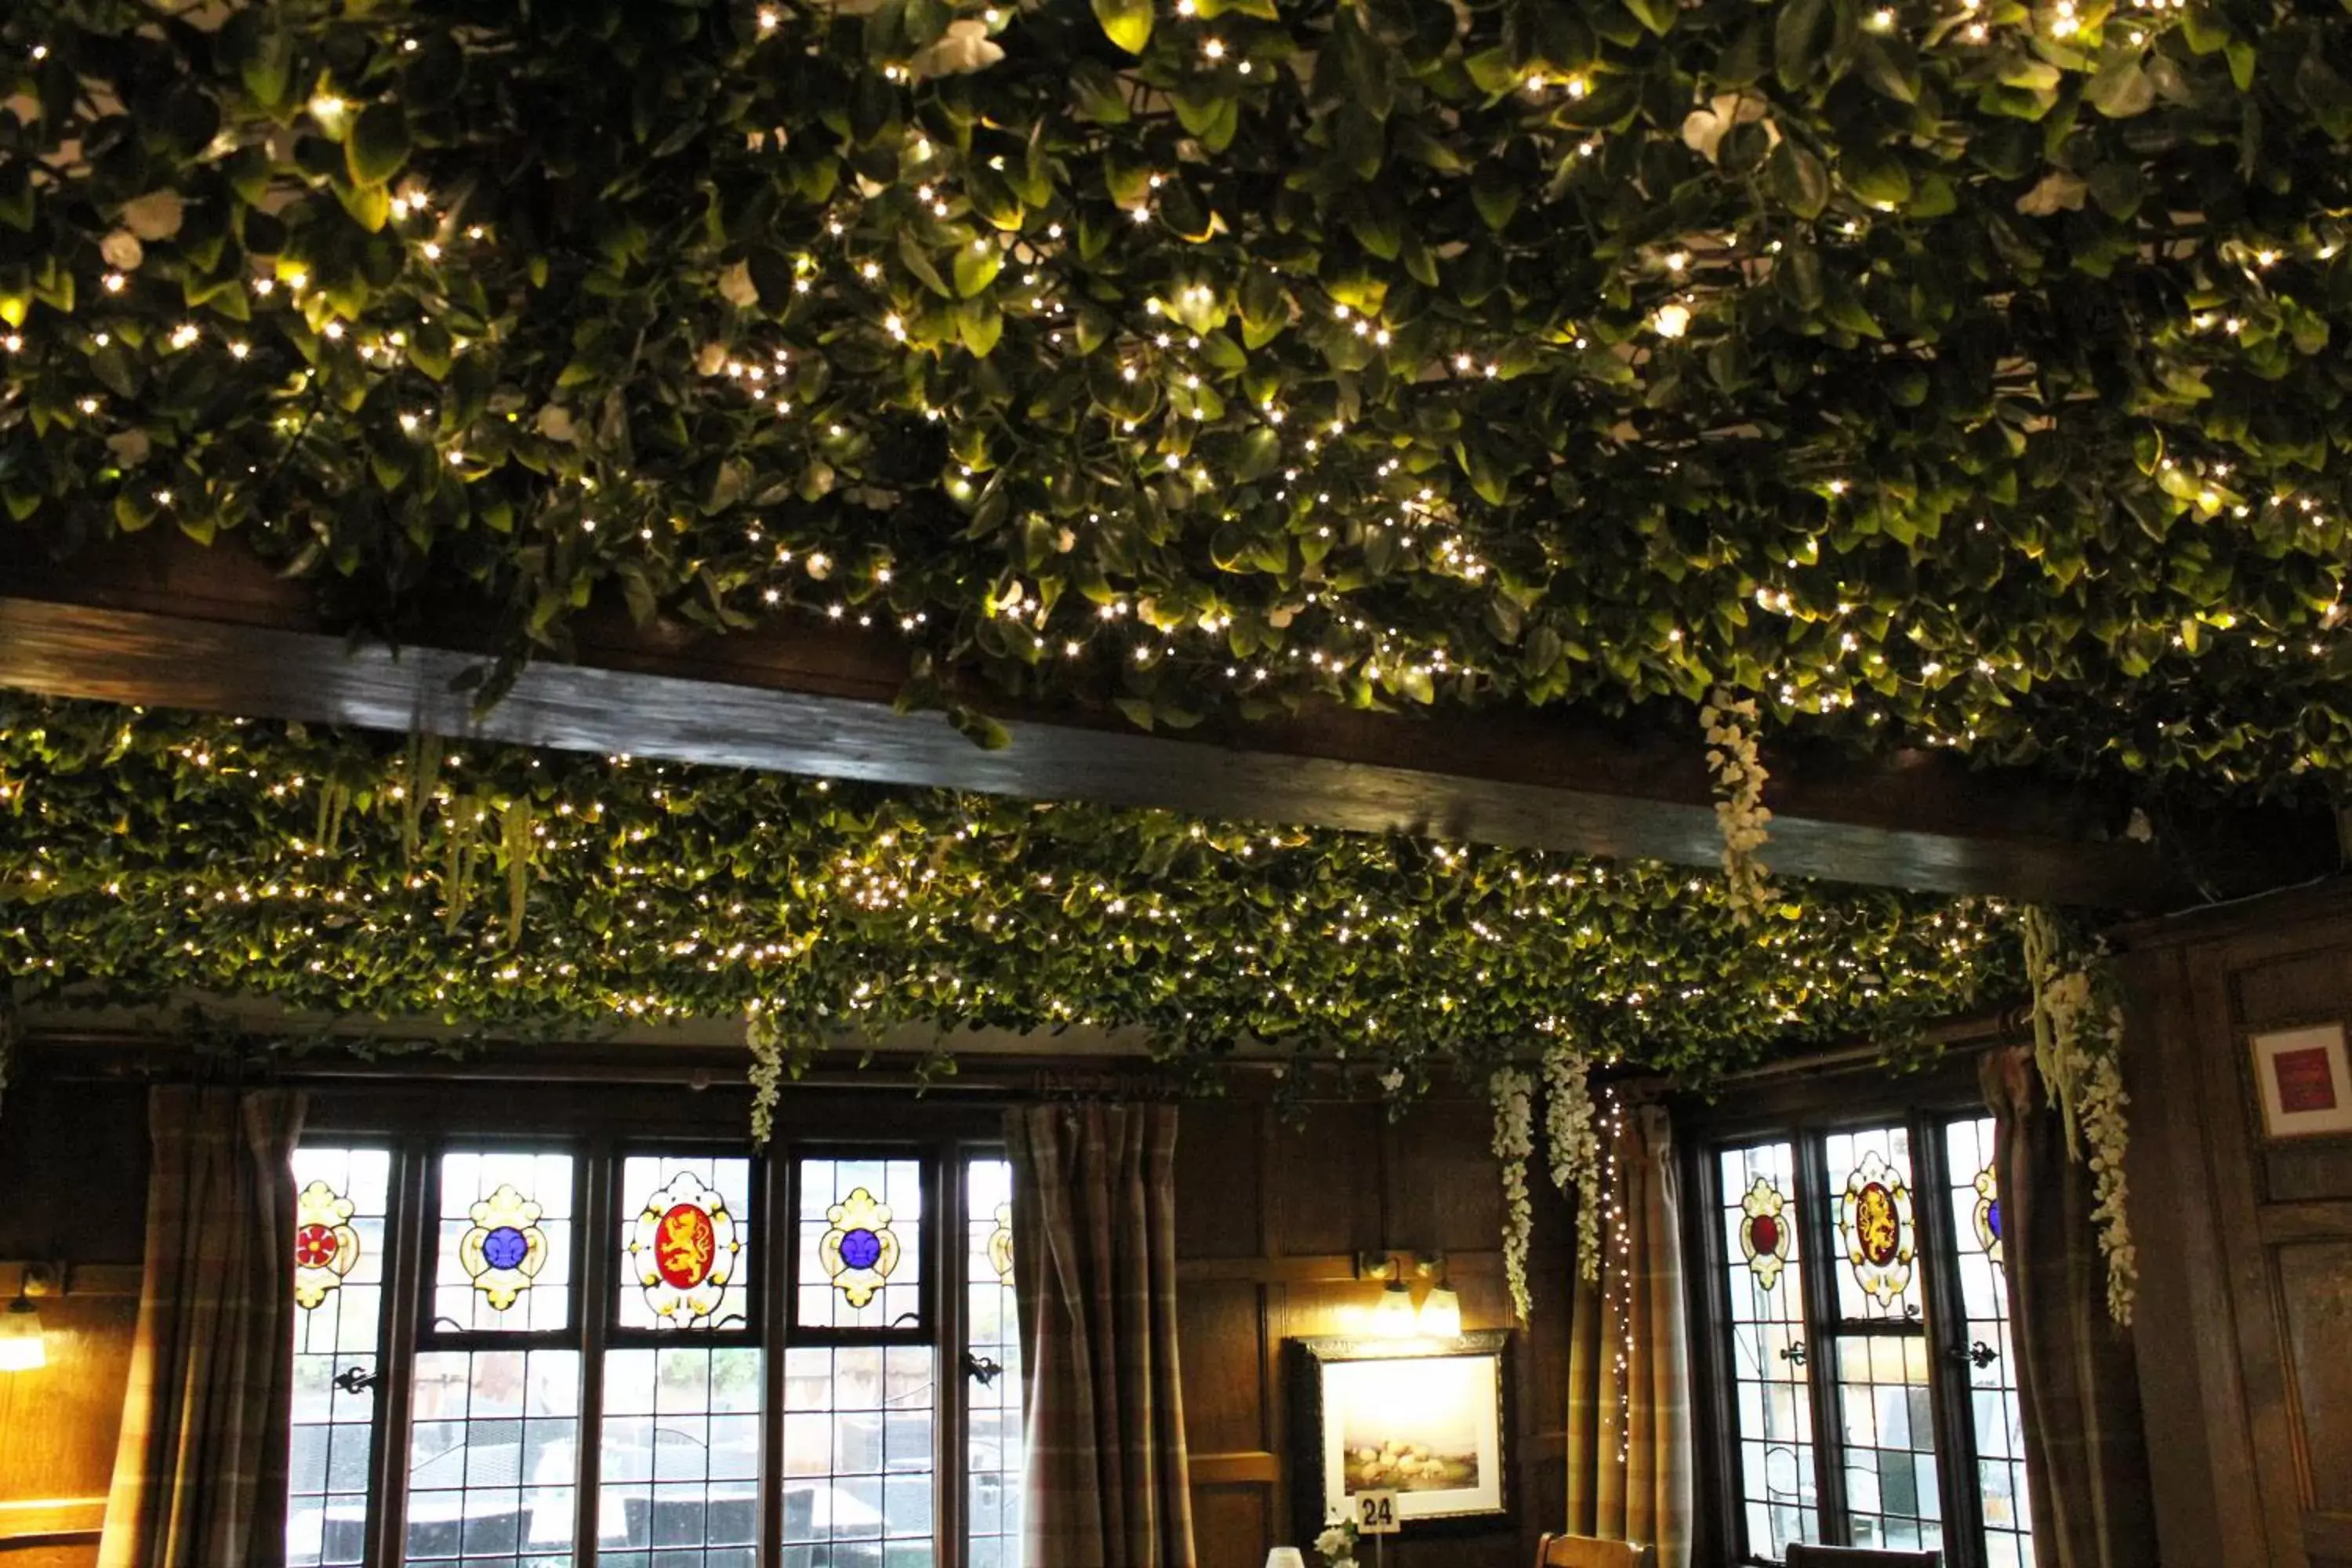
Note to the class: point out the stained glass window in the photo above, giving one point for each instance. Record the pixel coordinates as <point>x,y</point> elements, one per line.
<point>340,1212</point>
<point>1886,1412</point>
<point>1877,1231</point>
<point>1994,1411</point>
<point>685,1234</point>
<point>494,1434</point>
<point>493,1458</point>
<point>1769,1352</point>
<point>858,1460</point>
<point>506,1242</point>
<point>992,1335</point>
<point>679,1457</point>
<point>860,1244</point>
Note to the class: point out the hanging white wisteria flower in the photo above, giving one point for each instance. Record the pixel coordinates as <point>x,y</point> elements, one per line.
<point>763,1032</point>
<point>2078,1043</point>
<point>1569,1127</point>
<point>1515,1143</point>
<point>1740,809</point>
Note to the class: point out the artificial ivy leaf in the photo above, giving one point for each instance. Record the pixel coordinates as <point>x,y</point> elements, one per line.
<point>1127,23</point>
<point>979,324</point>
<point>370,206</point>
<point>1800,180</point>
<point>912,256</point>
<point>1798,41</point>
<point>376,144</point>
<point>2120,88</point>
<point>976,267</point>
<point>1875,175</point>
<point>1100,96</point>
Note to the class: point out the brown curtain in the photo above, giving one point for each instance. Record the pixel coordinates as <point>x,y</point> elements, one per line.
<point>1093,1268</point>
<point>2086,1449</point>
<point>200,1472</point>
<point>1628,1398</point>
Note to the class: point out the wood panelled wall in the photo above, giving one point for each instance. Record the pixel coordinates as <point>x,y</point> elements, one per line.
<point>73,1190</point>
<point>2245,1327</point>
<point>1270,1217</point>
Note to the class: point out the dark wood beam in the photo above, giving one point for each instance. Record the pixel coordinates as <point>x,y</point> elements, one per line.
<point>211,630</point>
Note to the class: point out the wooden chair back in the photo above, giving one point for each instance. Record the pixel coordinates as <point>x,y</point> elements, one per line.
<point>1585,1551</point>
<point>1803,1556</point>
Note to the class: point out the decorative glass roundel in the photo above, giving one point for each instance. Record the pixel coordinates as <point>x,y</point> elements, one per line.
<point>861,1250</point>
<point>1764,1234</point>
<point>326,1247</point>
<point>504,1250</point>
<point>1989,1213</point>
<point>685,1248</point>
<point>1875,1223</point>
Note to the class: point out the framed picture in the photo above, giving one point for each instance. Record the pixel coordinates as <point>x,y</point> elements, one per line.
<point>1427,1419</point>
<point>2304,1082</point>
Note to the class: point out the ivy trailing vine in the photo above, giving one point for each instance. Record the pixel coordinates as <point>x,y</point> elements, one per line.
<point>1938,373</point>
<point>145,854</point>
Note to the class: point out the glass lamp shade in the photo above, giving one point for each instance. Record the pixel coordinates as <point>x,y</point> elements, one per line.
<point>1285,1557</point>
<point>21,1348</point>
<point>1441,1314</point>
<point>1393,1318</point>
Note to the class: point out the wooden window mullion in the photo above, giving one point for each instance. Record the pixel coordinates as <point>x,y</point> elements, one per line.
<point>1820,1262</point>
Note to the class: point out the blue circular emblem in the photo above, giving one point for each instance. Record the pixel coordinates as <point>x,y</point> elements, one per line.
<point>505,1247</point>
<point>861,1248</point>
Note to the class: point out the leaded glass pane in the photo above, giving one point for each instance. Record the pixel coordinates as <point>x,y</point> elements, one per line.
<point>504,1252</point>
<point>1999,1418</point>
<point>860,1244</point>
<point>493,1458</point>
<point>1870,1183</point>
<point>686,1241</point>
<point>679,1459</point>
<point>992,1418</point>
<point>340,1203</point>
<point>1892,1499</point>
<point>857,1467</point>
<point>1771,1394</point>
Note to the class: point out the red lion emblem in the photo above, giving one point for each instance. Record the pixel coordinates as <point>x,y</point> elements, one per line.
<point>685,1246</point>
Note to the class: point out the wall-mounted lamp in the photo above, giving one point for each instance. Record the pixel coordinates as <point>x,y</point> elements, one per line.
<point>1394,1316</point>
<point>22,1348</point>
<point>1440,1310</point>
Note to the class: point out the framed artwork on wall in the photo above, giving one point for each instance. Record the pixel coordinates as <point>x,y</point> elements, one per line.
<point>1428,1419</point>
<point>2304,1082</point>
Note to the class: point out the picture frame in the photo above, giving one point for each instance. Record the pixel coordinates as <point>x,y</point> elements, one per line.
<point>1429,1419</point>
<point>2302,1082</point>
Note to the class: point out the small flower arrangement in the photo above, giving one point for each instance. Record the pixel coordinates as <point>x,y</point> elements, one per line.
<point>1337,1544</point>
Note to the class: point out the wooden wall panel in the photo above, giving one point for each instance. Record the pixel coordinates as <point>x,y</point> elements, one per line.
<point>1349,1180</point>
<point>73,1165</point>
<point>2244,1368</point>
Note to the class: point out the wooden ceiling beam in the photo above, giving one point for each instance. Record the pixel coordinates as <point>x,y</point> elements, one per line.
<point>211,630</point>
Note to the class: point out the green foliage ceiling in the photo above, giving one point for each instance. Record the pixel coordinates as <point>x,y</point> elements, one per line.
<point>1956,372</point>
<point>146,853</point>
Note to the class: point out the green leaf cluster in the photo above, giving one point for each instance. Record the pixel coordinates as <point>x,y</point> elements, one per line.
<point>1939,375</point>
<point>144,855</point>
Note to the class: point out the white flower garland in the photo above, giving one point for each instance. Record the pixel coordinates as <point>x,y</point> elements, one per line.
<point>1570,1128</point>
<point>2078,1038</point>
<point>1515,1143</point>
<point>1740,809</point>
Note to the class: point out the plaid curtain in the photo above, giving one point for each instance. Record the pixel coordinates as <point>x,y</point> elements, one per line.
<point>1628,1395</point>
<point>1093,1269</point>
<point>200,1472</point>
<point>2086,1449</point>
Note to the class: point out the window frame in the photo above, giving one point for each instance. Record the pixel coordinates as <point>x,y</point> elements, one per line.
<point>600,1140</point>
<point>1805,1114</point>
